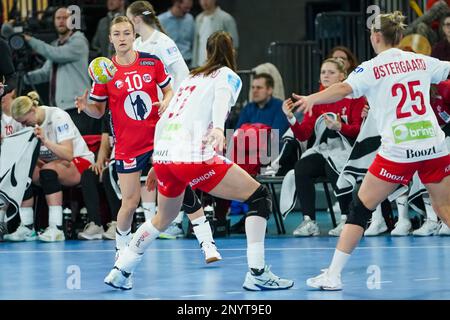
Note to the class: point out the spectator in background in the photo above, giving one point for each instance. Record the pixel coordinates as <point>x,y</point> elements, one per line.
<point>7,72</point>
<point>264,108</point>
<point>347,57</point>
<point>180,27</point>
<point>100,42</point>
<point>441,50</point>
<point>65,68</point>
<point>212,19</point>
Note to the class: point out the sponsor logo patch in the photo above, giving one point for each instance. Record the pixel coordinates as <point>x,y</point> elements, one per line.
<point>413,131</point>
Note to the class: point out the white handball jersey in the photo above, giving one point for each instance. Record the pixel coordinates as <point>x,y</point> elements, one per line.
<point>165,48</point>
<point>58,127</point>
<point>182,130</point>
<point>396,84</point>
<point>9,125</point>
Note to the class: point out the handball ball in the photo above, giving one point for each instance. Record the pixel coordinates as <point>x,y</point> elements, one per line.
<point>101,70</point>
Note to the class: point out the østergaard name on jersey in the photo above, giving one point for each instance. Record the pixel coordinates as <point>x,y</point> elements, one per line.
<point>399,67</point>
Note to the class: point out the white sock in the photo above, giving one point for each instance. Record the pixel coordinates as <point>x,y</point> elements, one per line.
<point>431,215</point>
<point>55,216</point>
<point>255,230</point>
<point>377,215</point>
<point>149,210</point>
<point>128,260</point>
<point>179,217</point>
<point>122,238</point>
<point>202,230</point>
<point>26,215</point>
<point>2,215</point>
<point>338,263</point>
<point>343,217</point>
<point>143,237</point>
<point>402,207</point>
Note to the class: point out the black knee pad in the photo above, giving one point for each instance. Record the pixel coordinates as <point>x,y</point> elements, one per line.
<point>358,213</point>
<point>28,193</point>
<point>191,202</point>
<point>260,203</point>
<point>49,181</point>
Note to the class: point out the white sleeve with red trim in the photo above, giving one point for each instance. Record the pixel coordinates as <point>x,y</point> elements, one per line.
<point>361,79</point>
<point>99,92</point>
<point>438,69</point>
<point>226,92</point>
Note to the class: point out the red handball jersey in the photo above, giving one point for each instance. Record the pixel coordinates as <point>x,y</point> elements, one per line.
<point>130,96</point>
<point>441,103</point>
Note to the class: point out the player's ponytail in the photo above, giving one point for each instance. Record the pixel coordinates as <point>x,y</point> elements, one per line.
<point>23,104</point>
<point>220,50</point>
<point>391,27</point>
<point>145,10</point>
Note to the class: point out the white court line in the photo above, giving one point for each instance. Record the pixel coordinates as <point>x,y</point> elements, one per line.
<point>192,295</point>
<point>233,292</point>
<point>426,279</point>
<point>220,249</point>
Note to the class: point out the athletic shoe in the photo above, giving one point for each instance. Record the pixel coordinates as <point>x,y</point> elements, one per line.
<point>174,231</point>
<point>21,234</point>
<point>91,232</point>
<point>110,233</point>
<point>52,234</point>
<point>266,281</point>
<point>119,279</point>
<point>429,228</point>
<point>336,232</point>
<point>307,228</point>
<point>325,281</point>
<point>444,230</point>
<point>210,251</point>
<point>402,228</point>
<point>376,228</point>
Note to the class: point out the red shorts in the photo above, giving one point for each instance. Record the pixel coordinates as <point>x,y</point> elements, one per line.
<point>430,171</point>
<point>173,178</point>
<point>81,164</point>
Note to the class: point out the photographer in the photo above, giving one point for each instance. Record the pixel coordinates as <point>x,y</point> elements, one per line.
<point>65,69</point>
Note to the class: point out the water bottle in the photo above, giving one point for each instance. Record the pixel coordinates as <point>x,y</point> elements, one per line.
<point>83,217</point>
<point>67,223</point>
<point>139,218</point>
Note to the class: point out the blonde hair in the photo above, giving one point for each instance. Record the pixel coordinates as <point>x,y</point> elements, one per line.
<point>121,19</point>
<point>145,10</point>
<point>391,27</point>
<point>23,104</point>
<point>338,63</point>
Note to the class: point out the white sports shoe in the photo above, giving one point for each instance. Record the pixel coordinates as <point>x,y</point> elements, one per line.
<point>429,228</point>
<point>210,251</point>
<point>21,234</point>
<point>266,281</point>
<point>91,232</point>
<point>375,228</point>
<point>444,230</point>
<point>119,279</point>
<point>307,228</point>
<point>172,232</point>
<point>336,232</point>
<point>52,234</point>
<point>402,228</point>
<point>325,281</point>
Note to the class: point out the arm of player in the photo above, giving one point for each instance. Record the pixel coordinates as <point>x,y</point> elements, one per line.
<point>332,94</point>
<point>63,150</point>
<point>164,103</point>
<point>94,110</point>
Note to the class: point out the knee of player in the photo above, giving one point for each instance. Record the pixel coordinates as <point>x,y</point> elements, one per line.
<point>48,179</point>
<point>260,203</point>
<point>359,214</point>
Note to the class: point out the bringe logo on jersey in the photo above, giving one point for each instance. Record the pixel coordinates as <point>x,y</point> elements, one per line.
<point>138,105</point>
<point>413,131</point>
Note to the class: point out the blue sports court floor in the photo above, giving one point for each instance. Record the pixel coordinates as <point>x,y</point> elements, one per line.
<point>381,268</point>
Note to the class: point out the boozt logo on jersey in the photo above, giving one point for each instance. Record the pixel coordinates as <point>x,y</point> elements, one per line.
<point>172,51</point>
<point>420,153</point>
<point>204,177</point>
<point>63,129</point>
<point>234,82</point>
<point>146,63</point>
<point>385,173</point>
<point>413,131</point>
